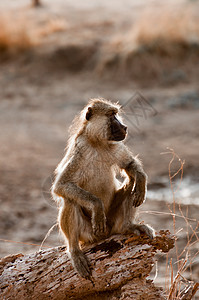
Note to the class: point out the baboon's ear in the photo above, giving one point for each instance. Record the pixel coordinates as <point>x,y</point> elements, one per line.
<point>89,113</point>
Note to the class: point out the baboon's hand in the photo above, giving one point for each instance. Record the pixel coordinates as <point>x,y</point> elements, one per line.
<point>99,221</point>
<point>138,198</point>
<point>81,264</point>
<point>139,194</point>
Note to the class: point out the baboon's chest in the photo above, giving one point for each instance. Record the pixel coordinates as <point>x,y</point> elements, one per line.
<point>96,175</point>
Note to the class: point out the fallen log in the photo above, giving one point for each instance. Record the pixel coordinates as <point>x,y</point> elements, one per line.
<point>120,266</point>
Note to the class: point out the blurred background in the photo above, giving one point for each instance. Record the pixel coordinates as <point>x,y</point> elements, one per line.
<point>54,56</point>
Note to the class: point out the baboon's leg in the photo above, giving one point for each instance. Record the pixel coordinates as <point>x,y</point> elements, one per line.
<point>121,215</point>
<point>116,212</point>
<point>69,220</point>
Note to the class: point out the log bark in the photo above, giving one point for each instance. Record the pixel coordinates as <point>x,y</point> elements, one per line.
<point>120,266</point>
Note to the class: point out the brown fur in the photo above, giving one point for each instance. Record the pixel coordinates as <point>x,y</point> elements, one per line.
<point>94,203</point>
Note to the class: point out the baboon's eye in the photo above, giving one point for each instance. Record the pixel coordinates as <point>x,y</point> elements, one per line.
<point>112,114</point>
<point>89,113</point>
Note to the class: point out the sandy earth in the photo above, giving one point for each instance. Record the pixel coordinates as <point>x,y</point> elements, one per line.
<point>37,105</point>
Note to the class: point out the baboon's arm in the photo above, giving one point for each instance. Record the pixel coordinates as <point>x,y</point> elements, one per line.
<point>134,171</point>
<point>72,192</point>
<point>67,189</point>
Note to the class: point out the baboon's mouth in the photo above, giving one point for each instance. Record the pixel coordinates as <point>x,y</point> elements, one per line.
<point>118,137</point>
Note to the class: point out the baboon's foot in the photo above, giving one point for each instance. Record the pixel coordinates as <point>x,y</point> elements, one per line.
<point>139,229</point>
<point>81,264</point>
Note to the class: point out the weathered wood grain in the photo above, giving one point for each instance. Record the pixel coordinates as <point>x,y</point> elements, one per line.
<point>120,266</point>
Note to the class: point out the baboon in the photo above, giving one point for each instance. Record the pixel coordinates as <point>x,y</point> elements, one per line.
<point>94,203</point>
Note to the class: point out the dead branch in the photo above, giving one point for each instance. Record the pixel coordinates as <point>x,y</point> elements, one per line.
<point>120,267</point>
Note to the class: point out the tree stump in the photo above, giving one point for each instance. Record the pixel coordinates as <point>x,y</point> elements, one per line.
<point>120,265</point>
<point>36,3</point>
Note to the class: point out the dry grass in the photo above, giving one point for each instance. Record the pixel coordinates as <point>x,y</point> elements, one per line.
<point>18,34</point>
<point>15,34</point>
<point>172,26</point>
<point>154,42</point>
<point>157,28</point>
<point>157,39</point>
<point>52,26</point>
<point>181,283</point>
<point>180,287</point>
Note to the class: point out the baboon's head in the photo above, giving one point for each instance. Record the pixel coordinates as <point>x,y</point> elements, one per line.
<point>102,121</point>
